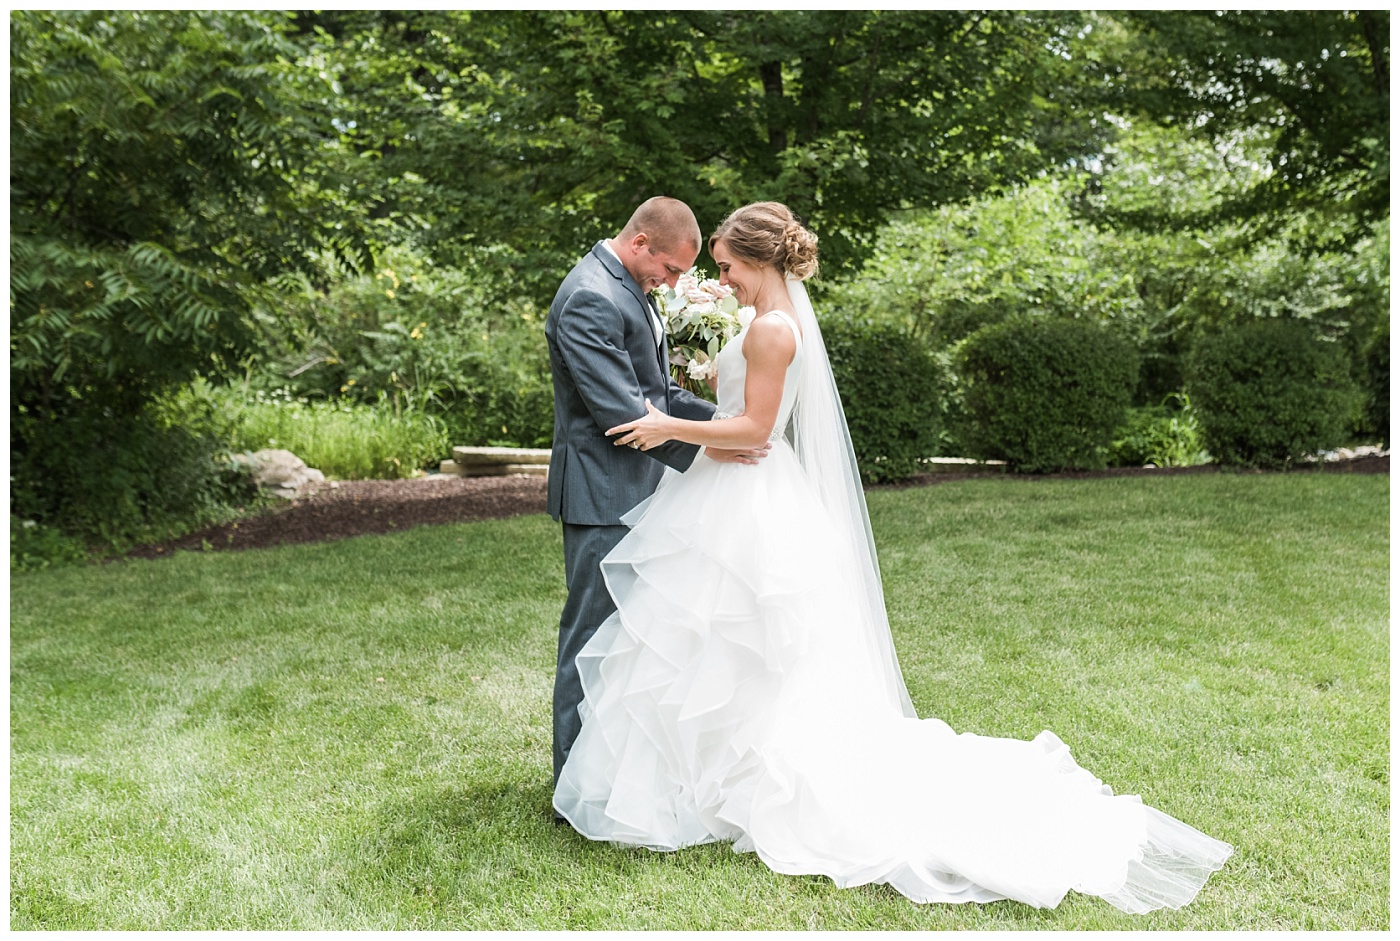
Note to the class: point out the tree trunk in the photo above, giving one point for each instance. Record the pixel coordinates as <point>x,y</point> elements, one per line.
<point>771,73</point>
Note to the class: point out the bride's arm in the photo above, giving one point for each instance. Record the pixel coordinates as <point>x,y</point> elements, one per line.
<point>769,347</point>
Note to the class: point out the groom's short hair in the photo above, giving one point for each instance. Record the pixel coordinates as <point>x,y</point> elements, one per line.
<point>668,223</point>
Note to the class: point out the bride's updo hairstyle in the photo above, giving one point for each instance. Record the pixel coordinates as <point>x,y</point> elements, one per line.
<point>769,234</point>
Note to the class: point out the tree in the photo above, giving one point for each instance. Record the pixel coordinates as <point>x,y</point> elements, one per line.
<point>947,272</point>
<point>1312,86</point>
<point>541,130</point>
<point>162,166</point>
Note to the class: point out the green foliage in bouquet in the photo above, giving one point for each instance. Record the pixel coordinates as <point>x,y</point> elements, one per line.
<point>701,317</point>
<point>1044,394</point>
<point>1271,392</point>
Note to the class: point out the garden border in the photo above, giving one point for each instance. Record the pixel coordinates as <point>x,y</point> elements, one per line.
<point>342,509</point>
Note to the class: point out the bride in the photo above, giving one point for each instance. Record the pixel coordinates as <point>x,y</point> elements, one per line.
<point>747,688</point>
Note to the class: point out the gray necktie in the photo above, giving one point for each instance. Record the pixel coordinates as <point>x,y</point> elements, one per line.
<point>657,330</point>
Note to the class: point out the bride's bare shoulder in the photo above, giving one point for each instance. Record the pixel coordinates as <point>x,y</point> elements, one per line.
<point>775,322</point>
<point>770,334</point>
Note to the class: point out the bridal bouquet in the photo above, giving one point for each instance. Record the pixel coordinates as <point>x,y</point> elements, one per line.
<point>701,316</point>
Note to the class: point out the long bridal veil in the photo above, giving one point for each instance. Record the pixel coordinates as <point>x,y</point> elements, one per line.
<point>822,441</point>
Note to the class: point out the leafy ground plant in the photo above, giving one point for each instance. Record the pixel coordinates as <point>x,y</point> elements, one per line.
<point>36,546</point>
<point>346,440</point>
<point>1160,435</point>
<point>356,735</point>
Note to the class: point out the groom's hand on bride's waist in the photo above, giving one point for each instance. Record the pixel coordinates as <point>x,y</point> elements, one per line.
<point>738,456</point>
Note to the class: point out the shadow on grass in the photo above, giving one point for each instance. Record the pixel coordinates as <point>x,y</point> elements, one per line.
<point>489,856</point>
<point>42,907</point>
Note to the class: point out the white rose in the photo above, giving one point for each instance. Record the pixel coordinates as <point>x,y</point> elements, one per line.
<point>745,315</point>
<point>700,366</point>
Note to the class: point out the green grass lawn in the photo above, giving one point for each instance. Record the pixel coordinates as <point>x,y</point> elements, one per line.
<point>357,734</point>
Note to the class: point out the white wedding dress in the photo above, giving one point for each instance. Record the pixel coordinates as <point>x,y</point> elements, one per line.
<point>729,699</point>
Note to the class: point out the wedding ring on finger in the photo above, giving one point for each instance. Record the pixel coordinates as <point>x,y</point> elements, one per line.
<point>634,445</point>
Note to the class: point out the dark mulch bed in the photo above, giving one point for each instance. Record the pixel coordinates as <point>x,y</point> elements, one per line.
<point>1370,464</point>
<point>359,507</point>
<point>337,510</point>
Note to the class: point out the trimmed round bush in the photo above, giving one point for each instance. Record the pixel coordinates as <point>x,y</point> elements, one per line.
<point>889,385</point>
<point>1376,420</point>
<point>1044,394</point>
<point>1270,392</point>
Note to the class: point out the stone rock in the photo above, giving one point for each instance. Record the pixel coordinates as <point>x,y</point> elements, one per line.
<point>283,473</point>
<point>961,465</point>
<point>527,470</point>
<point>497,462</point>
<point>476,456</point>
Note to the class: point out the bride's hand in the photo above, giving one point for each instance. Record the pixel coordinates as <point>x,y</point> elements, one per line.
<point>646,432</point>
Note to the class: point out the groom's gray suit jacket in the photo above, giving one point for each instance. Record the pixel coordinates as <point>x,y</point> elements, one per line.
<point>606,363</point>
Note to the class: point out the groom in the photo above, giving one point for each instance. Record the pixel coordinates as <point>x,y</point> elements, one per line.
<point>608,356</point>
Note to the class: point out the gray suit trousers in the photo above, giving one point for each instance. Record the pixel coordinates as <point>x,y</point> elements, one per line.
<point>587,607</point>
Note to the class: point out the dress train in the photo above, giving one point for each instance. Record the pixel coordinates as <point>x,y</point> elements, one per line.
<point>728,700</point>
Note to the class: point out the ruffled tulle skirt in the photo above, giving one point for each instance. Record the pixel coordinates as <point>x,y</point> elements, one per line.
<point>728,700</point>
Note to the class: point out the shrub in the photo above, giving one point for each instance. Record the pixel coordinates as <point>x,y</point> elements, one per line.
<point>1161,436</point>
<point>113,479</point>
<point>341,439</point>
<point>450,343</point>
<point>1270,392</point>
<point>1376,419</point>
<point>36,546</point>
<point>889,385</point>
<point>1044,394</point>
